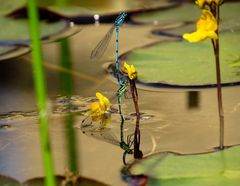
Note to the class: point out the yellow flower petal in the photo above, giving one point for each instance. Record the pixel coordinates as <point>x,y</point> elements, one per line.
<point>96,109</point>
<point>104,102</point>
<point>195,36</point>
<point>201,3</point>
<point>130,70</point>
<point>207,21</point>
<point>206,27</point>
<point>100,108</point>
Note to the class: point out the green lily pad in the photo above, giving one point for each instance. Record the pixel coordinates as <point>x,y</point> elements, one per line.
<point>229,13</point>
<point>8,52</point>
<point>220,168</point>
<point>76,8</point>
<point>15,31</point>
<point>183,13</point>
<point>9,6</point>
<point>187,64</point>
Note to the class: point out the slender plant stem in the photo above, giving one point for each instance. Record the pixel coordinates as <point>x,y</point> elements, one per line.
<point>66,80</point>
<point>71,143</point>
<point>219,88</point>
<point>66,85</point>
<point>134,96</point>
<point>40,91</point>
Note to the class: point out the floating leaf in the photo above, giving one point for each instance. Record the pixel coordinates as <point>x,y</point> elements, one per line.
<point>9,6</point>
<point>220,168</point>
<point>16,30</point>
<point>183,13</point>
<point>105,7</point>
<point>7,52</point>
<point>186,64</point>
<point>189,13</point>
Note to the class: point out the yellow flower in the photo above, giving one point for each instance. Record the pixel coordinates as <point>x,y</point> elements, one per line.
<point>100,108</point>
<point>130,70</point>
<point>206,27</point>
<point>201,3</point>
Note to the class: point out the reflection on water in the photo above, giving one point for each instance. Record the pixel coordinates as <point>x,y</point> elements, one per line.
<point>166,121</point>
<point>66,90</point>
<point>193,99</point>
<point>130,144</point>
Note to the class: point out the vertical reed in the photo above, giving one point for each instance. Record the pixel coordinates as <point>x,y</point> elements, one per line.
<point>66,86</point>
<point>40,89</point>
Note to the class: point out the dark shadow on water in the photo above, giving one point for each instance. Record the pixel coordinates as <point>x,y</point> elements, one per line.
<point>193,98</point>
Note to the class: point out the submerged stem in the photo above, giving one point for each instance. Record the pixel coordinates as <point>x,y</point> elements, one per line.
<point>40,90</point>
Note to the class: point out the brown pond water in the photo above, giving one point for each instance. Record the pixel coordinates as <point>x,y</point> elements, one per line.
<point>171,123</point>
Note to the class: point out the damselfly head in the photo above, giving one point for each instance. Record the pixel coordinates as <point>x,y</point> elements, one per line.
<point>120,19</point>
<point>123,14</point>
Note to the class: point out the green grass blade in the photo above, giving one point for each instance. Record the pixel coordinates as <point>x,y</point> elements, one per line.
<point>40,90</point>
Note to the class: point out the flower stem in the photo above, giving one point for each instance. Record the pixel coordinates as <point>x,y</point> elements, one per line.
<point>219,93</point>
<point>40,91</point>
<point>135,97</point>
<point>219,88</point>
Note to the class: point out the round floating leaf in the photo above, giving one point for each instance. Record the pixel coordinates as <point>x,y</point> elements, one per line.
<point>105,7</point>
<point>220,168</point>
<point>229,13</point>
<point>9,6</point>
<point>187,64</point>
<point>183,13</point>
<point>16,30</point>
<point>8,52</point>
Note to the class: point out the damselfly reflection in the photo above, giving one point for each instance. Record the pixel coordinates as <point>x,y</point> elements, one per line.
<point>130,144</point>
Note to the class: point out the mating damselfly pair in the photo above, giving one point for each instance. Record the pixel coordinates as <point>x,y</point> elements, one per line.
<point>101,111</point>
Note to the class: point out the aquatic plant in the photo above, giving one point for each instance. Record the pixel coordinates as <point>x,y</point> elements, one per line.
<point>208,27</point>
<point>132,75</point>
<point>220,168</point>
<point>40,91</point>
<point>99,111</point>
<point>66,89</point>
<point>99,108</point>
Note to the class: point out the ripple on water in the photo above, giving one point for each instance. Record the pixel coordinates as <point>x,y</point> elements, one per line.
<point>62,105</point>
<point>71,104</point>
<point>145,117</point>
<point>17,115</point>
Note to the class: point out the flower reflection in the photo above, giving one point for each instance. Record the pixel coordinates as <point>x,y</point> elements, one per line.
<point>129,144</point>
<point>99,111</point>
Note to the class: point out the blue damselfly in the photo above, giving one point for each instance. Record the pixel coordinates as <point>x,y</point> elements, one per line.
<point>101,47</point>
